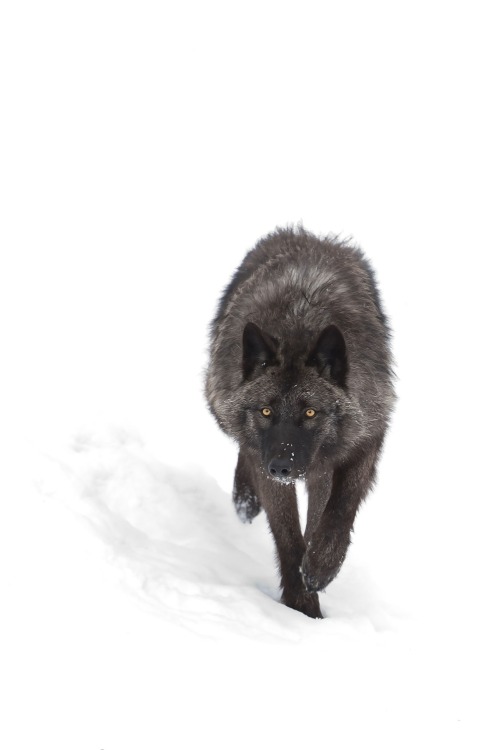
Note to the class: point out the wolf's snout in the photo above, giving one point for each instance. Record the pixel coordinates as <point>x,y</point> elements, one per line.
<point>280,468</point>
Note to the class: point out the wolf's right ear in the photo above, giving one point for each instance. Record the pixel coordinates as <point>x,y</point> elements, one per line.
<point>259,351</point>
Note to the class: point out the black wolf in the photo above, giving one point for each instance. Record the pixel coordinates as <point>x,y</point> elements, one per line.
<point>300,376</point>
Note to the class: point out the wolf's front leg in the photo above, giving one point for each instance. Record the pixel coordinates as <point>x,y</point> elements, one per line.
<point>328,536</point>
<point>279,501</point>
<point>245,499</point>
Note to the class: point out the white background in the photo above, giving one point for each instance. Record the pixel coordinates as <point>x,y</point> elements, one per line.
<point>145,147</point>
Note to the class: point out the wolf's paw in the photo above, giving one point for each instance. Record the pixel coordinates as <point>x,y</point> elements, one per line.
<point>316,574</point>
<point>304,602</point>
<point>247,505</point>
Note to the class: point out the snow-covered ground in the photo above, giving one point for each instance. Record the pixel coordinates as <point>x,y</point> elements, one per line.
<point>145,147</point>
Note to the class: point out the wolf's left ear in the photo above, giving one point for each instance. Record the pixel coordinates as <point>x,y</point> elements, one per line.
<point>329,356</point>
<point>259,351</point>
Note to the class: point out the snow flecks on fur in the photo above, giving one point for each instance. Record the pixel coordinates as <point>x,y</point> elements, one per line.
<point>246,504</point>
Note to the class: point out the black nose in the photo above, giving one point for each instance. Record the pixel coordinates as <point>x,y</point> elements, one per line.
<point>280,468</point>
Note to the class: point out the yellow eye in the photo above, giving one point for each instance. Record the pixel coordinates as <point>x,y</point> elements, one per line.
<point>310,413</point>
<point>266,411</point>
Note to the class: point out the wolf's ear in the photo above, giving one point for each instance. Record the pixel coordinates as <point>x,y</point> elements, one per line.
<point>259,351</point>
<point>329,356</point>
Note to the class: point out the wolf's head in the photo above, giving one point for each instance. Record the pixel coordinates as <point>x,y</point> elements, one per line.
<point>292,401</point>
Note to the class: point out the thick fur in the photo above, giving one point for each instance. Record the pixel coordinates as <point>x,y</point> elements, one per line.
<point>300,327</point>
